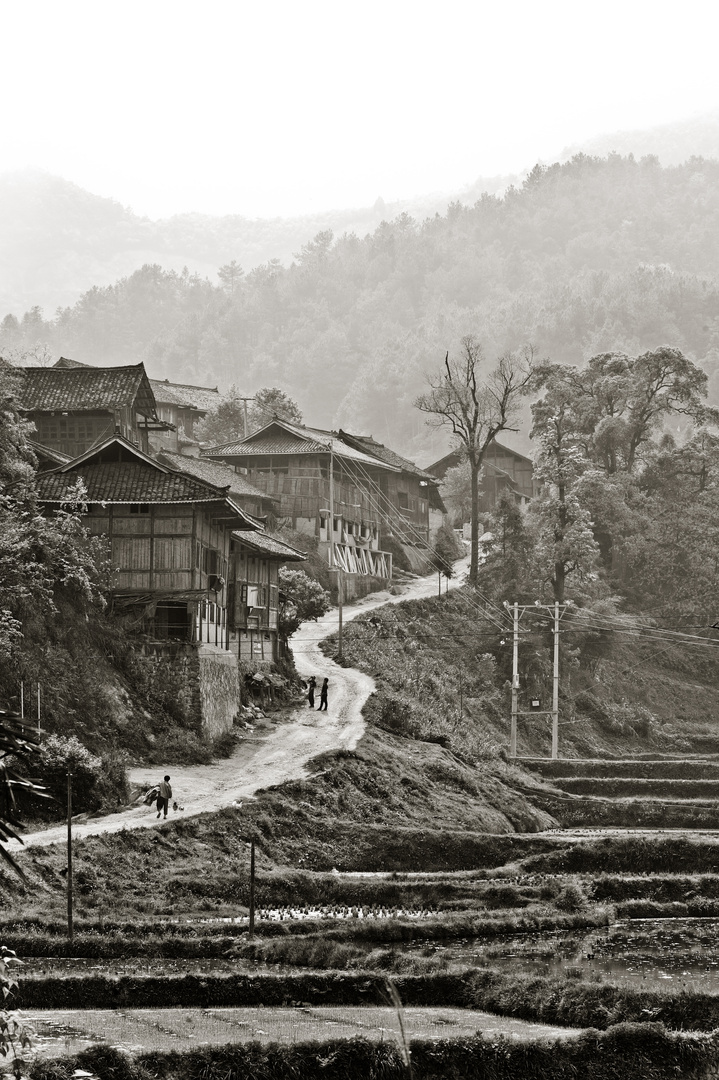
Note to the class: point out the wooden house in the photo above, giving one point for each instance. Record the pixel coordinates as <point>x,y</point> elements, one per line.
<point>504,470</point>
<point>75,407</point>
<point>254,602</point>
<point>170,536</point>
<point>181,406</point>
<point>253,501</point>
<point>408,495</point>
<point>325,487</point>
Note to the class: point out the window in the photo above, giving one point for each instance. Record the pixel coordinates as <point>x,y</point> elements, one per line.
<point>403,500</point>
<point>139,508</point>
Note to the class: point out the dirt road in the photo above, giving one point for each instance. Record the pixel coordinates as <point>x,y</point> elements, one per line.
<point>276,751</point>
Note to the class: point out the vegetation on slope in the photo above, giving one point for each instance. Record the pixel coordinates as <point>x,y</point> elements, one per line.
<point>587,257</point>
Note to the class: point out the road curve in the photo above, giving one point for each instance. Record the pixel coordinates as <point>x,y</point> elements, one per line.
<point>270,757</point>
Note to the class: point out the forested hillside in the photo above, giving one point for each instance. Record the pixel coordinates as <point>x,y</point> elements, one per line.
<point>591,256</point>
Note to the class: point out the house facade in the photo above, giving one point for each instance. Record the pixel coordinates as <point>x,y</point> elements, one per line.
<point>192,572</point>
<point>408,496</point>
<point>75,407</point>
<point>348,491</point>
<point>180,406</point>
<point>170,537</point>
<point>255,600</point>
<point>323,487</point>
<point>253,501</point>
<point>503,471</point>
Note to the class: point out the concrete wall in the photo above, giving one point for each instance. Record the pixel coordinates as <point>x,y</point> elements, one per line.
<point>219,685</point>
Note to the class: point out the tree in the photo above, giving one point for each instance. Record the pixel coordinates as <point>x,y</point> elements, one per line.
<point>226,423</point>
<point>271,402</point>
<point>456,491</point>
<point>16,749</point>
<point>230,276</point>
<point>476,412</point>
<point>614,405</point>
<point>505,571</point>
<point>444,552</point>
<point>565,541</point>
<point>303,599</point>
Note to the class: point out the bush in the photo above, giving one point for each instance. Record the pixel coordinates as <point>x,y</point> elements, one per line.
<point>646,1050</point>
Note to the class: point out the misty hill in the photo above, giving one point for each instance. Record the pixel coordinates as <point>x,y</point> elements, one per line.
<point>58,240</point>
<point>697,136</point>
<point>593,255</point>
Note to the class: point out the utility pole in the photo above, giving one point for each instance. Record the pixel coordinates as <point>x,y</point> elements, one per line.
<point>69,853</point>
<point>339,606</point>
<point>334,565</point>
<point>244,401</point>
<point>555,685</point>
<point>252,890</point>
<point>557,615</point>
<point>515,683</point>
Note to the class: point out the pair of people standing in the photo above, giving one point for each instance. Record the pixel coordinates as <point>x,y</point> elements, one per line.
<point>311,687</point>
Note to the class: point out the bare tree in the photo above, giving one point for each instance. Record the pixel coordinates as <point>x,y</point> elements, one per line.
<point>476,411</point>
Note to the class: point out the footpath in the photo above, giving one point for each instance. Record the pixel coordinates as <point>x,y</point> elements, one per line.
<point>276,751</point>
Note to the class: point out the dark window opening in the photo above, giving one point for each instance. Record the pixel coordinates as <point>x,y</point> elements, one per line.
<point>139,508</point>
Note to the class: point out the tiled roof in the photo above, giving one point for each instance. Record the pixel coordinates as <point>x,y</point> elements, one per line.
<point>213,472</point>
<point>66,362</point>
<point>47,453</point>
<point>368,444</point>
<point>202,398</point>
<point>126,482</point>
<point>78,389</point>
<point>282,438</point>
<point>269,545</point>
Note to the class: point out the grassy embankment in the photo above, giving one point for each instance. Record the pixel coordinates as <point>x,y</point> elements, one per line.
<point>626,1050</point>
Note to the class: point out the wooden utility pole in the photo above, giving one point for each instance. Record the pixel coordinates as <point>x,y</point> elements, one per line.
<point>340,598</point>
<point>557,613</point>
<point>252,890</point>
<point>69,853</point>
<point>515,683</point>
<point>555,685</point>
<point>244,401</point>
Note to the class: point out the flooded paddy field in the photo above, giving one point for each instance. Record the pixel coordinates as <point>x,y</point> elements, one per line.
<point>63,1031</point>
<point>676,952</point>
<point>672,952</point>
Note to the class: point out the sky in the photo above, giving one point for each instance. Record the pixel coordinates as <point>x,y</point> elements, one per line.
<point>275,108</point>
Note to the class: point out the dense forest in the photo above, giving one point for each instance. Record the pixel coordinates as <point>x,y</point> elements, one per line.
<point>592,256</point>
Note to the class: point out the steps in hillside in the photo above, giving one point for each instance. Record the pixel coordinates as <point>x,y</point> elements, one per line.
<point>647,793</point>
<point>634,768</point>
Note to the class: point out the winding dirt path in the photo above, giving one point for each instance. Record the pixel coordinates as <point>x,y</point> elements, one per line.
<point>276,751</point>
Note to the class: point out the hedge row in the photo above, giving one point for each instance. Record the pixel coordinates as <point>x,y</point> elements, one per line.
<point>556,1000</point>
<point>206,946</point>
<point>664,888</point>
<point>637,787</point>
<point>646,1051</point>
<point>649,770</point>
<point>630,855</point>
<point>579,811</point>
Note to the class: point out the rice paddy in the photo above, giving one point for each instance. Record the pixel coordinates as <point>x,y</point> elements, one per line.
<point>60,1032</point>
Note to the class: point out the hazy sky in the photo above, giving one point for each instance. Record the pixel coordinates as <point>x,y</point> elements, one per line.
<point>275,108</point>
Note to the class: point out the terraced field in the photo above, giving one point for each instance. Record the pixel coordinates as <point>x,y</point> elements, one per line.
<point>649,793</point>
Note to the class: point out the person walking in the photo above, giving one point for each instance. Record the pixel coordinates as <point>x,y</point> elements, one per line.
<point>323,695</point>
<point>311,687</point>
<point>163,796</point>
